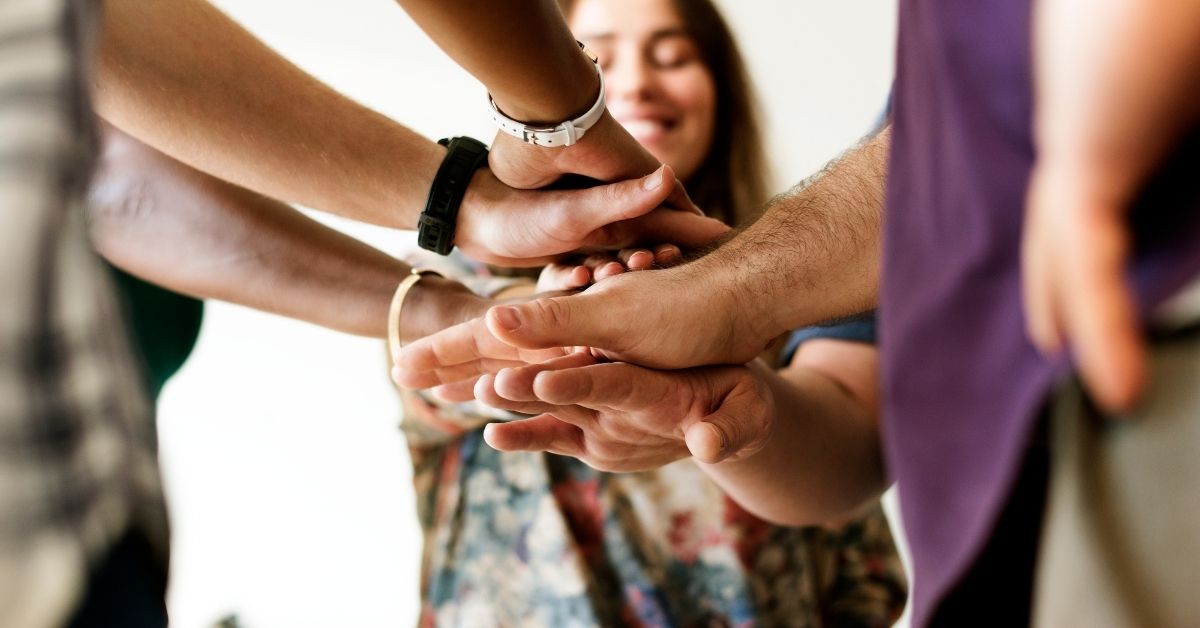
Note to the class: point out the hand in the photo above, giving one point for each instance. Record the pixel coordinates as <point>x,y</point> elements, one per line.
<point>435,303</point>
<point>620,417</point>
<point>600,266</point>
<point>664,319</point>
<point>606,153</point>
<point>520,228</point>
<point>1114,85</point>
<point>1074,254</point>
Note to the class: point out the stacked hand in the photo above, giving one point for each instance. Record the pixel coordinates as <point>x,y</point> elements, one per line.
<point>519,228</point>
<point>667,318</point>
<point>621,417</point>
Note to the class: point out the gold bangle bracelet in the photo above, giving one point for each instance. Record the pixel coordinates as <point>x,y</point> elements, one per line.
<point>393,335</point>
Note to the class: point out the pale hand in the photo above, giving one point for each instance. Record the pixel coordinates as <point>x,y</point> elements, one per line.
<point>620,417</point>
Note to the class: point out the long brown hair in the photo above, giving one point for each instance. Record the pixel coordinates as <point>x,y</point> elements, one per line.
<point>731,182</point>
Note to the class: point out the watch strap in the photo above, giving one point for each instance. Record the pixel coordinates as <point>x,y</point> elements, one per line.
<point>562,134</point>
<point>435,229</point>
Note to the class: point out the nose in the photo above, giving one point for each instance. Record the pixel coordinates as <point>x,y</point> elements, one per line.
<point>629,77</point>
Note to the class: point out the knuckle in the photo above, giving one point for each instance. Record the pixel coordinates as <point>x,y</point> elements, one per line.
<point>555,312</point>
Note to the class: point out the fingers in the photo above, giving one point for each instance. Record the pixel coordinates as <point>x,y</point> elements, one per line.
<point>555,322</point>
<point>582,212</point>
<point>667,255</point>
<point>460,352</point>
<point>664,225</point>
<point>680,200</point>
<point>603,266</point>
<point>456,392</point>
<point>485,392</point>
<point>611,385</point>
<point>1102,320</point>
<point>563,277</point>
<point>1038,289</point>
<point>636,259</point>
<point>516,384</point>
<point>540,433</point>
<point>738,427</point>
<point>1075,291</point>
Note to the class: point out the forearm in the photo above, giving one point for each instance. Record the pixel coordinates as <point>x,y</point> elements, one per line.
<point>813,256</point>
<point>822,460</point>
<point>172,225</point>
<point>1115,86</point>
<point>521,50</point>
<point>187,80</point>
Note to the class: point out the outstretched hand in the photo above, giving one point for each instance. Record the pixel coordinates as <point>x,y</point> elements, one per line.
<point>662,319</point>
<point>621,417</point>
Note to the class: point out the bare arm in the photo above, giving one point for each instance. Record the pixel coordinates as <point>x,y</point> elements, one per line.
<point>522,50</point>
<point>525,54</point>
<point>185,79</point>
<point>814,255</point>
<point>175,226</point>
<point>1115,90</point>
<point>189,81</point>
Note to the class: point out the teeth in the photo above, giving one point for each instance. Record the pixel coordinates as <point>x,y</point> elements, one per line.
<point>644,127</point>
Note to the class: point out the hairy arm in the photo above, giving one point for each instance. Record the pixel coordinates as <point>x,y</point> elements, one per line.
<point>177,227</point>
<point>814,254</point>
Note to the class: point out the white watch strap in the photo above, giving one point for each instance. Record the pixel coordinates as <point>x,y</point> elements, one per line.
<point>564,134</point>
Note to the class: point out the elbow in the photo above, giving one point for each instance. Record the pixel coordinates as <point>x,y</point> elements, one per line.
<point>796,513</point>
<point>118,204</point>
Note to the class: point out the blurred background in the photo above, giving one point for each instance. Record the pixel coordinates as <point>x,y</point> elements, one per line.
<point>288,480</point>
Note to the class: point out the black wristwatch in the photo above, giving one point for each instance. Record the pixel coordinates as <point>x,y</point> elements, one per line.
<point>435,230</point>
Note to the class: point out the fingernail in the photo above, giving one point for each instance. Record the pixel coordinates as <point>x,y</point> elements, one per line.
<point>654,180</point>
<point>508,318</point>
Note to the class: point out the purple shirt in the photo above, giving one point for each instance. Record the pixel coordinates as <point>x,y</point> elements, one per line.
<point>962,384</point>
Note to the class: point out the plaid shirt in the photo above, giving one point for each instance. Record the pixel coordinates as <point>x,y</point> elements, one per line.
<point>77,450</point>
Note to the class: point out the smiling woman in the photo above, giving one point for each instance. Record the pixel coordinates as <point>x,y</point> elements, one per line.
<point>676,81</point>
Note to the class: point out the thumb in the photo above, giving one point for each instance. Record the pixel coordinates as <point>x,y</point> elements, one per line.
<point>737,428</point>
<point>686,230</point>
<point>590,209</point>
<point>553,322</point>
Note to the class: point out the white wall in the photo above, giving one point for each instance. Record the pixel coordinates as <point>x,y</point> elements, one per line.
<point>288,481</point>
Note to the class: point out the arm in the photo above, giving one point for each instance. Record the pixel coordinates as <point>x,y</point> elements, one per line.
<point>523,51</point>
<point>823,459</point>
<point>1115,88</point>
<point>813,256</point>
<point>188,81</point>
<point>170,224</point>
<point>796,447</point>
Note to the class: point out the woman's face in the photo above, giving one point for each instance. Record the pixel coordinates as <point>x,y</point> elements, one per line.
<point>657,86</point>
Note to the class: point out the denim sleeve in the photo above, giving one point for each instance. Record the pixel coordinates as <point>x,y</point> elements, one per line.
<point>860,328</point>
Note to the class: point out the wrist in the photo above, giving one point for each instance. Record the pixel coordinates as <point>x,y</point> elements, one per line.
<point>470,235</point>
<point>572,95</point>
<point>738,308</point>
<point>435,303</point>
